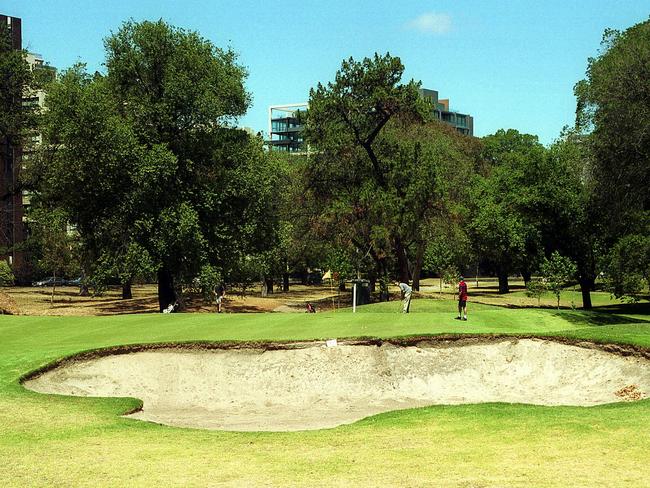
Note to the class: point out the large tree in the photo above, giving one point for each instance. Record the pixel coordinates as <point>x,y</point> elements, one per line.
<point>613,115</point>
<point>146,157</point>
<point>378,164</point>
<point>510,204</point>
<point>575,228</point>
<point>614,110</point>
<point>16,79</point>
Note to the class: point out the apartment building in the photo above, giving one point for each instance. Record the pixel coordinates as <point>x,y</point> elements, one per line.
<point>12,159</point>
<point>285,123</point>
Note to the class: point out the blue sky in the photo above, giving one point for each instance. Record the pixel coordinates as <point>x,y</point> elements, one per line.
<point>511,64</point>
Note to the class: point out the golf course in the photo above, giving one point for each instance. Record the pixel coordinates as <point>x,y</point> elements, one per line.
<point>56,440</point>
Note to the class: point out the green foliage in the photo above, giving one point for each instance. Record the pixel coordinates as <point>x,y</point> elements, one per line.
<point>146,163</point>
<point>628,267</point>
<point>207,281</point>
<point>535,288</point>
<point>338,261</point>
<point>448,249</point>
<point>558,271</point>
<point>246,271</point>
<point>614,110</point>
<point>450,275</point>
<point>59,246</point>
<point>577,229</point>
<point>512,201</point>
<point>6,274</point>
<point>381,169</point>
<point>16,118</point>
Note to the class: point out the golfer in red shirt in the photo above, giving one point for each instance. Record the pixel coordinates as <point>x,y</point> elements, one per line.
<point>462,300</point>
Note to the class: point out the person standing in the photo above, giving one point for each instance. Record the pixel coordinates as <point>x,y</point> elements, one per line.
<point>406,296</point>
<point>219,293</point>
<point>462,299</point>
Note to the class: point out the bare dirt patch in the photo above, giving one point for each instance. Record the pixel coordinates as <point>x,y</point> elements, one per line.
<point>8,305</point>
<point>68,302</point>
<point>313,386</point>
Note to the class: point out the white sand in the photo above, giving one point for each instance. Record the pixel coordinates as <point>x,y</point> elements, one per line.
<point>319,387</point>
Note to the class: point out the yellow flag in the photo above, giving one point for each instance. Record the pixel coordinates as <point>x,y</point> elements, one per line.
<point>328,275</point>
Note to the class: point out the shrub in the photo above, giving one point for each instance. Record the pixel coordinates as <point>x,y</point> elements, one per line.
<point>6,274</point>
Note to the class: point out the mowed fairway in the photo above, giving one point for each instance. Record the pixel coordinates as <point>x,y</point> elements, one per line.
<point>67,441</point>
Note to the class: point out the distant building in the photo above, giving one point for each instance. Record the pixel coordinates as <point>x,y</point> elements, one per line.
<point>462,122</point>
<point>285,127</point>
<point>12,157</point>
<point>285,122</point>
<point>35,99</point>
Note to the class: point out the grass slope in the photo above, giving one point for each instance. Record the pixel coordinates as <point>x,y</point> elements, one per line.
<point>65,441</point>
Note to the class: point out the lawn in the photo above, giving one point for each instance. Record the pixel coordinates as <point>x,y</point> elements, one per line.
<point>66,441</point>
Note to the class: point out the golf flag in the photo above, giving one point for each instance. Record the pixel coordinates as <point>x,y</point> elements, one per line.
<point>328,275</point>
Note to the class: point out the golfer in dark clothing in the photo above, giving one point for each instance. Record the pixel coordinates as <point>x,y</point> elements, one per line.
<point>462,300</point>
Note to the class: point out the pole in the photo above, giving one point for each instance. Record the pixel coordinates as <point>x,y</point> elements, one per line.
<point>354,298</point>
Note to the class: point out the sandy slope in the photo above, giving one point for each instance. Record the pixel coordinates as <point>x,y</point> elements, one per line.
<point>318,387</point>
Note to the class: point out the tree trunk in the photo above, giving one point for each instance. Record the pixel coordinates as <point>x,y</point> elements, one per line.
<point>53,289</point>
<point>166,292</point>
<point>83,286</point>
<point>341,284</point>
<point>83,290</point>
<point>402,262</point>
<point>503,281</point>
<point>127,294</point>
<point>417,270</point>
<point>586,285</point>
<point>384,295</point>
<point>285,282</point>
<point>267,286</point>
<point>526,275</point>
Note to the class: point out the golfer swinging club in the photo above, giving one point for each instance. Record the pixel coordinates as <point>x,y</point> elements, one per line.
<point>406,296</point>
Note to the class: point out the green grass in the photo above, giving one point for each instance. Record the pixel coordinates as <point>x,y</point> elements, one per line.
<point>48,440</point>
<point>571,296</point>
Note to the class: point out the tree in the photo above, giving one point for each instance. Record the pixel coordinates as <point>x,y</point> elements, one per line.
<point>59,246</point>
<point>6,274</point>
<point>146,158</point>
<point>628,267</point>
<point>576,230</point>
<point>379,163</point>
<point>535,288</point>
<point>557,272</point>
<point>613,116</point>
<point>516,205</point>
<point>447,248</point>
<point>16,79</point>
<point>614,110</point>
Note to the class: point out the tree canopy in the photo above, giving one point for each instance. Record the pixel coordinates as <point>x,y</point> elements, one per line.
<point>614,109</point>
<point>146,158</point>
<point>380,167</point>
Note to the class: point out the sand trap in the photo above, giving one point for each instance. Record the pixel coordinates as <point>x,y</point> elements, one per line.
<point>318,387</point>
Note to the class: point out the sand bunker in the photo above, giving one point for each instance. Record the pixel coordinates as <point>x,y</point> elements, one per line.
<point>318,387</point>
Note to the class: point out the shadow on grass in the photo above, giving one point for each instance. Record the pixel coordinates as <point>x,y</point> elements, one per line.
<point>599,318</point>
<point>639,308</point>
